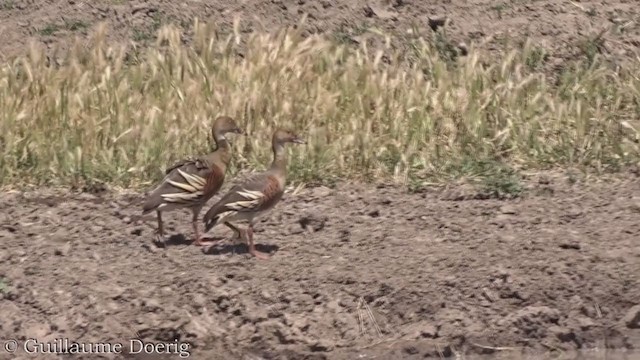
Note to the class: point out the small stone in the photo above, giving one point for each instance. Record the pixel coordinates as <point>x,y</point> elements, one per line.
<point>429,331</point>
<point>36,331</point>
<point>436,22</point>
<point>199,328</point>
<point>117,292</point>
<point>379,12</point>
<point>199,300</point>
<point>59,323</point>
<point>411,350</point>
<point>632,318</point>
<point>10,228</point>
<point>321,346</point>
<point>489,295</point>
<point>562,333</point>
<point>374,213</point>
<point>321,192</point>
<point>63,250</point>
<point>312,222</point>
<point>245,331</point>
<point>508,209</point>
<point>257,314</point>
<point>301,324</point>
<point>334,306</point>
<point>151,305</point>
<point>266,295</point>
<point>86,197</point>
<point>585,323</point>
<point>569,245</point>
<point>150,247</point>
<point>295,230</point>
<point>463,48</point>
<point>500,220</point>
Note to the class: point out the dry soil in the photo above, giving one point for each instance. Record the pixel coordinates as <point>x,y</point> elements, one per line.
<point>564,29</point>
<point>441,272</point>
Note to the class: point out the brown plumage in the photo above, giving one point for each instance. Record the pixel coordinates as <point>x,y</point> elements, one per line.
<point>191,182</point>
<point>255,196</point>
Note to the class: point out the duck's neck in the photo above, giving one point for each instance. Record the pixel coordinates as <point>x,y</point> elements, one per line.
<point>279,158</point>
<point>222,147</point>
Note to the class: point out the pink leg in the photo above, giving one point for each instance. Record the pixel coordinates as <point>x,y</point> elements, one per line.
<point>198,241</point>
<point>252,248</point>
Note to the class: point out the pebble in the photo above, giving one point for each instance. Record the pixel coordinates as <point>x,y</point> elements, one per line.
<point>632,318</point>
<point>63,250</point>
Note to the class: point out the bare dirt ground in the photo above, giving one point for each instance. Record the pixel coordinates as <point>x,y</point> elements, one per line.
<point>441,272</point>
<point>565,29</point>
<point>556,270</point>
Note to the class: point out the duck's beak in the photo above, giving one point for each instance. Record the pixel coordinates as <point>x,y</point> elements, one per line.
<point>298,140</point>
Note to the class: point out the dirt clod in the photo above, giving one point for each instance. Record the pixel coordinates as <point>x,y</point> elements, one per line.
<point>312,222</point>
<point>63,250</point>
<point>632,318</point>
<point>436,22</point>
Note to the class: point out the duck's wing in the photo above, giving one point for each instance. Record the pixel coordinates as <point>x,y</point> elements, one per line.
<point>188,182</point>
<point>256,194</point>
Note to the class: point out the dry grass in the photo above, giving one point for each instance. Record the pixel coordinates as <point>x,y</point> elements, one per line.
<point>105,116</point>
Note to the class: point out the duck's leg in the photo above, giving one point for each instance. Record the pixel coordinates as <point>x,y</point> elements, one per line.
<point>160,235</point>
<point>200,240</point>
<point>237,234</point>
<point>194,221</point>
<point>252,247</point>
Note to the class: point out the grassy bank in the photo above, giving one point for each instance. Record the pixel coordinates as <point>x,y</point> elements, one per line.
<point>107,116</point>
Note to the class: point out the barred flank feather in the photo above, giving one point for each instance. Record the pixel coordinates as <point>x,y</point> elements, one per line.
<point>253,200</point>
<point>192,189</point>
<point>249,200</point>
<point>190,183</point>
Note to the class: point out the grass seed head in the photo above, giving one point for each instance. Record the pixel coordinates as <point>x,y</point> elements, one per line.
<point>120,115</point>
